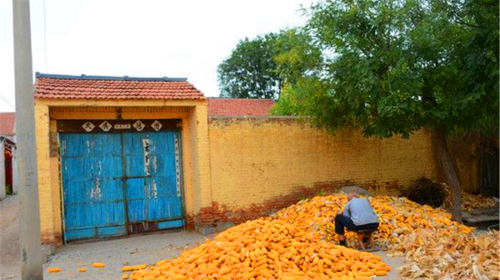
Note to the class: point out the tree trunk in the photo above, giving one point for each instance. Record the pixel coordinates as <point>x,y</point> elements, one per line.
<point>450,175</point>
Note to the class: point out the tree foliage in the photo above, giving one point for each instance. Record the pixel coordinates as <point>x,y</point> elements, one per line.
<point>394,66</point>
<point>249,71</point>
<point>258,68</point>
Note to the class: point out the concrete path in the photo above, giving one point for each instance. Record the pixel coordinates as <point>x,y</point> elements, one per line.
<point>10,261</point>
<point>144,249</point>
<point>394,262</point>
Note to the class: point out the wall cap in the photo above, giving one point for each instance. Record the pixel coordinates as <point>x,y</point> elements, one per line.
<point>259,117</point>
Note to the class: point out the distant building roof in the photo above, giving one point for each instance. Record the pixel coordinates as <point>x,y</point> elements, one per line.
<point>239,107</point>
<point>7,123</point>
<point>7,139</point>
<point>108,87</point>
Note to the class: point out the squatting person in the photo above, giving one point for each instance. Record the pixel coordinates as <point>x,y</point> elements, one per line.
<point>358,215</point>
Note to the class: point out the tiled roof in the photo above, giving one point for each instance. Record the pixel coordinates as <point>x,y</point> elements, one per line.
<point>7,123</point>
<point>239,107</point>
<point>104,87</point>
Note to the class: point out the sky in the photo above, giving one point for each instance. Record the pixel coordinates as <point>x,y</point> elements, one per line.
<point>147,38</point>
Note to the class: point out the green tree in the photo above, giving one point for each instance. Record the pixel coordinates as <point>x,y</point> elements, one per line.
<point>392,67</point>
<point>295,55</point>
<point>250,70</point>
<point>258,68</point>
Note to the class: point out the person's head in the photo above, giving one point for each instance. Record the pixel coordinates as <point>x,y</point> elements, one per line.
<point>351,195</point>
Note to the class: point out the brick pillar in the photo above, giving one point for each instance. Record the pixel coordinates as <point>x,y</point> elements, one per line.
<point>200,165</point>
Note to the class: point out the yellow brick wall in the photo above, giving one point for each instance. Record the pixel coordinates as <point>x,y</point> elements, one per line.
<point>194,147</point>
<point>256,160</point>
<point>200,168</point>
<point>55,189</point>
<point>110,112</point>
<point>187,177</point>
<point>47,220</point>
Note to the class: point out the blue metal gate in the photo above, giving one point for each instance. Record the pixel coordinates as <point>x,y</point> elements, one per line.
<point>120,183</point>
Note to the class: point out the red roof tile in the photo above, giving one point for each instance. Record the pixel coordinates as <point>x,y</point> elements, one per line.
<point>96,87</point>
<point>7,123</point>
<point>239,107</point>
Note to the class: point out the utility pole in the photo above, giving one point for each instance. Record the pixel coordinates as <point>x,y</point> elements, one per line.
<point>31,249</point>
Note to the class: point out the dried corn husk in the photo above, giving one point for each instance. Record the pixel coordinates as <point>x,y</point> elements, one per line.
<point>398,217</point>
<point>435,246</point>
<point>470,202</point>
<point>442,254</point>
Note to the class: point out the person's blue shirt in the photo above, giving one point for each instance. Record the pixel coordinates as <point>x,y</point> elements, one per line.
<point>360,211</point>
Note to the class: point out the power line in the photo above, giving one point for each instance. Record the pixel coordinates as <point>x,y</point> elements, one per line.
<point>8,103</point>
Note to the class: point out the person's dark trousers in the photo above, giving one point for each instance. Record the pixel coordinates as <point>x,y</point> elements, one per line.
<point>342,222</point>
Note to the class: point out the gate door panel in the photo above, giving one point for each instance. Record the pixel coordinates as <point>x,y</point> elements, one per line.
<point>93,195</point>
<point>153,185</point>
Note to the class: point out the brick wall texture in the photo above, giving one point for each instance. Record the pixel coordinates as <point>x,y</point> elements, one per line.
<point>261,164</point>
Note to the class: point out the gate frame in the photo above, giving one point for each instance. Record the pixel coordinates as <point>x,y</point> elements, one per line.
<point>194,151</point>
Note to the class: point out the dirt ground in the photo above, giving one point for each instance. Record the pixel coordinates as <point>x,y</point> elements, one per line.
<point>144,249</point>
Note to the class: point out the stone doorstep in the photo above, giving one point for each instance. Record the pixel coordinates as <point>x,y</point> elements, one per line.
<point>480,218</point>
<point>484,211</point>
